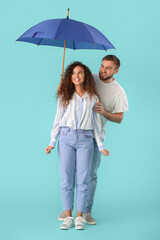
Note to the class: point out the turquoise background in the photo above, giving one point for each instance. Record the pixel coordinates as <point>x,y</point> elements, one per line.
<point>127,198</point>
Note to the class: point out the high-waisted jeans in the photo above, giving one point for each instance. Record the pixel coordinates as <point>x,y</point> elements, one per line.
<point>75,150</point>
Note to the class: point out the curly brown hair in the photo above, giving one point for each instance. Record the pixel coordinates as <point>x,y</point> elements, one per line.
<point>67,88</point>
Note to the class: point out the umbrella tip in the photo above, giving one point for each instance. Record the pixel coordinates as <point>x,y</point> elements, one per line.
<point>68,13</point>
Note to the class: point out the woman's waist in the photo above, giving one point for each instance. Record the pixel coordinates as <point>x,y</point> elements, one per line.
<point>77,130</point>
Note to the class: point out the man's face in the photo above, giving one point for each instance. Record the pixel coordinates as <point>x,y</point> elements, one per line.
<point>107,70</point>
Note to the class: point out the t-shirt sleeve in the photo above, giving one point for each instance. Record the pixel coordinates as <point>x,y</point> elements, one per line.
<point>121,104</point>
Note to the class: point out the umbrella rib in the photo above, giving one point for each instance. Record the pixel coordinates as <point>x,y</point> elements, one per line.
<point>104,48</point>
<point>58,28</point>
<point>39,42</point>
<point>88,32</point>
<point>74,45</point>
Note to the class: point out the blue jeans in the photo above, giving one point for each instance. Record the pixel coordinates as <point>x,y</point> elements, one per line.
<point>93,178</point>
<point>75,150</point>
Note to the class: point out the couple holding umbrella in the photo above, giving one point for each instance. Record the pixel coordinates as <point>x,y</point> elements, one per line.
<point>77,122</point>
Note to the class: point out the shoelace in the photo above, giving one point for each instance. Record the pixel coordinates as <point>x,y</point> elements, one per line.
<point>66,219</point>
<point>88,214</point>
<point>79,220</point>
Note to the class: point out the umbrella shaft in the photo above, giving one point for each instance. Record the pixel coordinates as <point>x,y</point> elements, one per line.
<point>63,60</point>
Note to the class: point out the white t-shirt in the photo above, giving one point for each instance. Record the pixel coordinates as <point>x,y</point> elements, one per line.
<point>113,98</point>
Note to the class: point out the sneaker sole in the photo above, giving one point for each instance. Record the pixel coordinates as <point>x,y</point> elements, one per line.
<point>89,223</point>
<point>66,228</point>
<point>61,219</point>
<point>79,228</point>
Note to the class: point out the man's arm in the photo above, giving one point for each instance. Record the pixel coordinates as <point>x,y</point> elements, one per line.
<point>113,117</point>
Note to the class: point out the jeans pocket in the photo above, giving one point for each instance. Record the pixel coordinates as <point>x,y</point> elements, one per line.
<point>88,134</point>
<point>64,131</point>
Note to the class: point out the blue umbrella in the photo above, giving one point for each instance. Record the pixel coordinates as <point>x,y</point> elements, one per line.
<point>66,33</point>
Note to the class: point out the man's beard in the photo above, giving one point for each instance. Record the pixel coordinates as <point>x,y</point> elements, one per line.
<point>105,79</point>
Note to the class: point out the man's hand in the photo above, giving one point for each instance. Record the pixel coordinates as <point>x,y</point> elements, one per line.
<point>48,149</point>
<point>113,117</point>
<point>99,108</point>
<point>105,152</point>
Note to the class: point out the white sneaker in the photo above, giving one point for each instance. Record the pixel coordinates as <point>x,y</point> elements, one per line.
<point>67,223</point>
<point>78,223</point>
<point>87,217</point>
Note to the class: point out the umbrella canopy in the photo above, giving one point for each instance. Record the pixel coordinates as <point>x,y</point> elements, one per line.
<point>78,35</point>
<point>67,33</point>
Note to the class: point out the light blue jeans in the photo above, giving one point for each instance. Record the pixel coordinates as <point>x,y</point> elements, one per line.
<point>75,150</point>
<point>93,178</point>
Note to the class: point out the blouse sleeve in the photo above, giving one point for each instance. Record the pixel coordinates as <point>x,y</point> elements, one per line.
<point>56,127</point>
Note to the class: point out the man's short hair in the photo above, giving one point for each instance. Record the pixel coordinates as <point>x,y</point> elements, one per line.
<point>112,58</point>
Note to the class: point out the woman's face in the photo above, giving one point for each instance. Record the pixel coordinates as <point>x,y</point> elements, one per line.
<point>78,76</point>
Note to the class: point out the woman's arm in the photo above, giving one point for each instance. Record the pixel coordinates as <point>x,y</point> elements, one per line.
<point>56,128</point>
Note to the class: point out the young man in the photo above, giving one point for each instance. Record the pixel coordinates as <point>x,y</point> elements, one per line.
<point>112,107</point>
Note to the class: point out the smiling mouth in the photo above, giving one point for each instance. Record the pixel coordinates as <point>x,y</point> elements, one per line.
<point>103,74</point>
<point>76,80</point>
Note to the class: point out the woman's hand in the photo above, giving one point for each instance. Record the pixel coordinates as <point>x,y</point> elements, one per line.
<point>48,149</point>
<point>105,152</point>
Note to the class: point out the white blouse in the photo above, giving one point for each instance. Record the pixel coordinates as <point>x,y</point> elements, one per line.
<point>79,114</point>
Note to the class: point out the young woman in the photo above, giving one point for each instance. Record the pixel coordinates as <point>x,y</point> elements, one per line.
<point>76,123</point>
